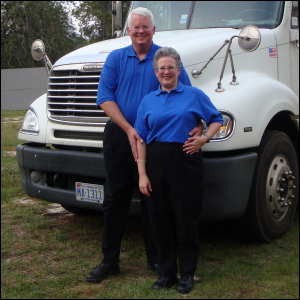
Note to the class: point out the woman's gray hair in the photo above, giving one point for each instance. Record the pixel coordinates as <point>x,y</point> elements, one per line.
<point>141,11</point>
<point>166,51</point>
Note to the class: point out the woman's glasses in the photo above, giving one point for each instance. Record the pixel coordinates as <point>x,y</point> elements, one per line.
<point>171,69</point>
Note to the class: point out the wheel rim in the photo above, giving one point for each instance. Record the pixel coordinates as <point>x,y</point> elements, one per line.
<point>279,188</point>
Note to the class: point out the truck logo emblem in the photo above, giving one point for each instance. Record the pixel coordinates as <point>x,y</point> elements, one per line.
<point>92,67</point>
<point>247,129</point>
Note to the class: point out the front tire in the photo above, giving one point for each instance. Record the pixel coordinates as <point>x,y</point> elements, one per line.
<point>274,192</point>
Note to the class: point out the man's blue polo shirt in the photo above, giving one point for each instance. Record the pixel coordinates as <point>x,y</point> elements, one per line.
<point>169,117</point>
<point>126,80</point>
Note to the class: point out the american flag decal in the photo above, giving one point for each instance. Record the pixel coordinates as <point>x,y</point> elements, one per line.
<point>272,52</point>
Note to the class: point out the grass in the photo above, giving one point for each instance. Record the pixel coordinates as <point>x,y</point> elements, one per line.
<point>46,255</point>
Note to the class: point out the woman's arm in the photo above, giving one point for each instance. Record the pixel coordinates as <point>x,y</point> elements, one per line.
<point>144,182</point>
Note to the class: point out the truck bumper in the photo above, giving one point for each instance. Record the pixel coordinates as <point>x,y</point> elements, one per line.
<point>50,175</point>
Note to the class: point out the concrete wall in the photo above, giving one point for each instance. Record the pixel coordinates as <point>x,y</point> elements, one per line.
<point>20,87</point>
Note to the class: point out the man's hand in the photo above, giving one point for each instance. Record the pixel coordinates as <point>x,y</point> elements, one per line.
<point>197,131</point>
<point>133,137</point>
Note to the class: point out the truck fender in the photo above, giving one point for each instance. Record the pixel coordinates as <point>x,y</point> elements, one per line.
<point>253,103</point>
<point>39,106</point>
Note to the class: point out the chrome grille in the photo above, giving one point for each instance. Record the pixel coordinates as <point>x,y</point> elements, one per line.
<point>72,95</point>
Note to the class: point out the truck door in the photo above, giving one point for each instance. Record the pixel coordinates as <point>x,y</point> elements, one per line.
<point>294,48</point>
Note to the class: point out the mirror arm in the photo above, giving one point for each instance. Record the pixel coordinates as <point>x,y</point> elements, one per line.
<point>225,43</point>
<point>228,52</point>
<point>233,82</point>
<point>245,35</point>
<point>48,64</point>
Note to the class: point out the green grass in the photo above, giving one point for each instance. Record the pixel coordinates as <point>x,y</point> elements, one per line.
<point>49,256</point>
<point>11,122</point>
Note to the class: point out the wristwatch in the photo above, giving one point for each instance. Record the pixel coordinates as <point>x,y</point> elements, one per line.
<point>208,137</point>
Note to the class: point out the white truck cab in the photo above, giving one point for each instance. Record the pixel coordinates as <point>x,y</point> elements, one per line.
<point>244,55</point>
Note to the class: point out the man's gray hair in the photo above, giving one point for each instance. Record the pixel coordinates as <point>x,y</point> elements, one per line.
<point>166,51</point>
<point>141,11</point>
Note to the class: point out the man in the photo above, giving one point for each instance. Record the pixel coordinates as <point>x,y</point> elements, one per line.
<point>126,78</point>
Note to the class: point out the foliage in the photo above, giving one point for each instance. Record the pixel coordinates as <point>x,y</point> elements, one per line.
<point>24,21</point>
<point>95,19</point>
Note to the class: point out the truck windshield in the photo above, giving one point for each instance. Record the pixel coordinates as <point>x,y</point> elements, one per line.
<point>174,15</point>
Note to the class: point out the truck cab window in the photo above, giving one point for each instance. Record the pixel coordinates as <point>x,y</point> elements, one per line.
<point>238,14</point>
<point>168,15</point>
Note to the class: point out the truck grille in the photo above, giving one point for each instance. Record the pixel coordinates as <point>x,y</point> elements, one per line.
<point>72,95</point>
<point>76,135</point>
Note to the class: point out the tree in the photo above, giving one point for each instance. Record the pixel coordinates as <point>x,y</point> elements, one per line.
<point>96,20</point>
<point>24,21</point>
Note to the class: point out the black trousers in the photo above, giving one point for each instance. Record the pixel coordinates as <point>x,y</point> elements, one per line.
<point>175,205</point>
<point>121,170</point>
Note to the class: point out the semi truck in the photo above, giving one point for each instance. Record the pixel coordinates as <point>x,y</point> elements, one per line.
<point>244,55</point>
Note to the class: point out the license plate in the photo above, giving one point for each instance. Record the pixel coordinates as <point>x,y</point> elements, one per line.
<point>89,192</point>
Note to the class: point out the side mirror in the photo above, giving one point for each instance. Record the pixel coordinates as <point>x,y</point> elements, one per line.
<point>38,50</point>
<point>38,53</point>
<point>249,38</point>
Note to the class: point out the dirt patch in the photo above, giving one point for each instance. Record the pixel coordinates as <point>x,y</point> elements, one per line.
<point>10,153</point>
<point>55,209</point>
<point>25,200</point>
<point>12,120</point>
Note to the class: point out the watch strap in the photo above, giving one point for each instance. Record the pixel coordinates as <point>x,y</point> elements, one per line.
<point>208,137</point>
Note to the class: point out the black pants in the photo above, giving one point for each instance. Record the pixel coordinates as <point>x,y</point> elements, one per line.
<point>121,170</point>
<point>175,205</point>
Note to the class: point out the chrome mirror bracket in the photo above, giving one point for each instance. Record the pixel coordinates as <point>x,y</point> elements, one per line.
<point>249,39</point>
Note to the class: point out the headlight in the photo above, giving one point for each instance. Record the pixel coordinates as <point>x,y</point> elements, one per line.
<point>30,123</point>
<point>226,130</point>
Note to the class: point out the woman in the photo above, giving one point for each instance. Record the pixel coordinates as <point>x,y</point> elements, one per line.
<point>174,174</point>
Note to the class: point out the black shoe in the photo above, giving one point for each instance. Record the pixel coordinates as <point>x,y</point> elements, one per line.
<point>153,267</point>
<point>102,272</point>
<point>185,284</point>
<point>165,282</point>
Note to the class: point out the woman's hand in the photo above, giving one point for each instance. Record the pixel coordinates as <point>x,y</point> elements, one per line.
<point>145,185</point>
<point>194,144</point>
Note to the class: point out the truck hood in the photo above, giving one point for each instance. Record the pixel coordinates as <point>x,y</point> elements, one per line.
<point>194,45</point>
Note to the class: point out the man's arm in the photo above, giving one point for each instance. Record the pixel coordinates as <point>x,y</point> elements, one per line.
<point>114,113</point>
<point>198,130</point>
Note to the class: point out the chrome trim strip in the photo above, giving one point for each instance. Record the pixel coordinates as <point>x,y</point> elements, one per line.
<point>74,77</point>
<point>73,83</point>
<point>72,91</point>
<point>72,110</point>
<point>73,67</point>
<point>73,103</point>
<point>74,97</point>
<point>36,133</point>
